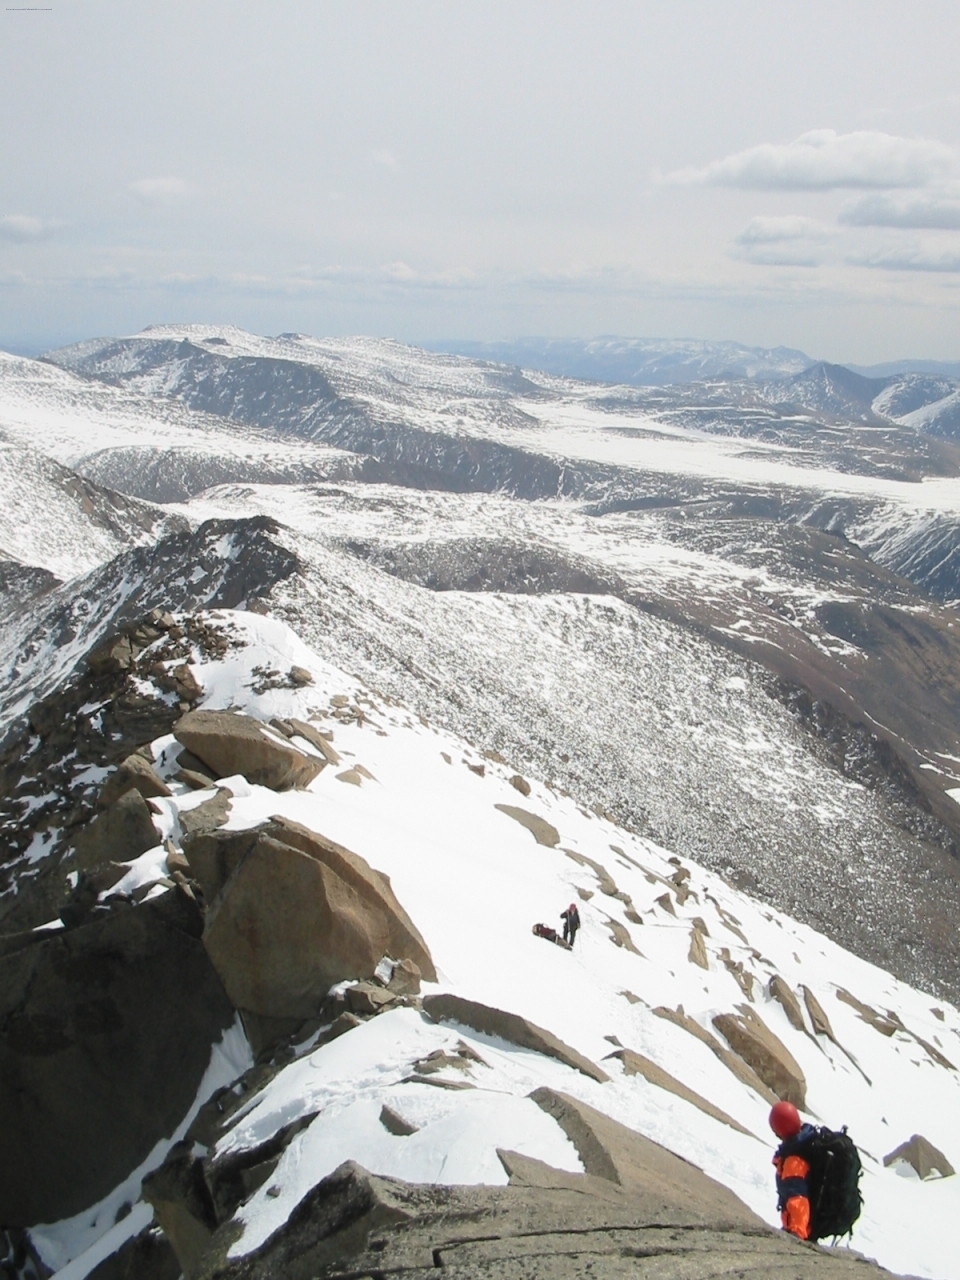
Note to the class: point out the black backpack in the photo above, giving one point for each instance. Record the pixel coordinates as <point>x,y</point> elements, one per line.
<point>833,1183</point>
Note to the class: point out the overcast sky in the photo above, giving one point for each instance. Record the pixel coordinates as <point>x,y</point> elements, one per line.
<point>775,173</point>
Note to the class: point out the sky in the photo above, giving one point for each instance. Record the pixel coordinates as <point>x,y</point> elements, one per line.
<point>781,174</point>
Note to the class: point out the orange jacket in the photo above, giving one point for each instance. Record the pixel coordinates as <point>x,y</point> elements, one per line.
<point>792,1171</point>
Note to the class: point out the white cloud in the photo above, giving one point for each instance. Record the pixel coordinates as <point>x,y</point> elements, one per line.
<point>786,241</point>
<point>910,256</point>
<point>21,228</point>
<point>159,190</point>
<point>824,159</point>
<point>761,230</point>
<point>916,212</point>
<point>385,158</point>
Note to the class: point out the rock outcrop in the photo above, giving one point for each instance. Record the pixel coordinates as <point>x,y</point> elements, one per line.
<point>101,1054</point>
<point>508,1026</point>
<point>292,913</point>
<point>541,830</point>
<point>923,1157</point>
<point>732,1061</point>
<point>635,1064</point>
<point>229,743</point>
<point>119,834</point>
<point>753,1041</point>
<point>134,772</point>
<point>656,1217</point>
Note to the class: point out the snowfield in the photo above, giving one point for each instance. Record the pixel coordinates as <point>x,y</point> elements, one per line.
<point>475,881</point>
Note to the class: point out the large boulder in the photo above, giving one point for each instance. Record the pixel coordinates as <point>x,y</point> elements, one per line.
<point>118,834</point>
<point>105,1034</point>
<point>541,830</point>
<point>229,743</point>
<point>752,1040</point>
<point>296,913</point>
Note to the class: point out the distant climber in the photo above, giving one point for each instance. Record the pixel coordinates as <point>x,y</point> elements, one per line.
<point>571,923</point>
<point>818,1175</point>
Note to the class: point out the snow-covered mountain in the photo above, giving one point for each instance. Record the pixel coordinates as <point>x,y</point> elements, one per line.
<point>477,855</point>
<point>637,361</point>
<point>716,621</point>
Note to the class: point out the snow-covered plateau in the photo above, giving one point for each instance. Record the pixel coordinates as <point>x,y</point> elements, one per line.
<point>698,641</point>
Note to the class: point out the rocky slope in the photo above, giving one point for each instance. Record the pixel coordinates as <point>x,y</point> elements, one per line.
<point>381,1068</point>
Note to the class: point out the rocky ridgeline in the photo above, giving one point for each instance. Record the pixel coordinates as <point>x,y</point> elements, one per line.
<point>110,1012</point>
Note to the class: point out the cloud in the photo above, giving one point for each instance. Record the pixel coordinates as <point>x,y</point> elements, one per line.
<point>823,160</point>
<point>386,159</point>
<point>762,230</point>
<point>787,241</point>
<point>159,190</point>
<point>915,256</point>
<point>915,212</point>
<point>22,228</point>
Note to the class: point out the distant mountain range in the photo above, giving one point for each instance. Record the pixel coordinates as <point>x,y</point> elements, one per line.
<point>655,362</point>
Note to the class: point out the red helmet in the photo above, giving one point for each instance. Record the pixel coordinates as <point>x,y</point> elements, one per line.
<point>785,1120</point>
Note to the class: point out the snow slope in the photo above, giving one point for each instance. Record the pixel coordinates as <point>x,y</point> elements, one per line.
<point>475,881</point>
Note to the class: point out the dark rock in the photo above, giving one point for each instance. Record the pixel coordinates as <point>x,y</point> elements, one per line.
<point>405,979</point>
<point>136,772</point>
<point>366,997</point>
<point>520,784</point>
<point>183,1207</point>
<point>300,676</point>
<point>92,1022</point>
<point>118,834</point>
<point>394,1123</point>
<point>147,1256</point>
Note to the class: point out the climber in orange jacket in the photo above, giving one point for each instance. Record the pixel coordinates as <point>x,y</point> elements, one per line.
<point>792,1168</point>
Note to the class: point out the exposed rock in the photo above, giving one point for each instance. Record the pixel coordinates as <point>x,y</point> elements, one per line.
<point>886,1026</point>
<point>698,950</point>
<point>508,1026</point>
<point>367,997</point>
<point>229,743</point>
<point>636,1064</point>
<point>741,976</point>
<point>779,990</point>
<point>136,772</point>
<point>352,776</point>
<point>183,1207</point>
<point>185,683</point>
<point>540,829</point>
<point>300,677</point>
<point>818,1018</point>
<point>265,1033</point>
<point>298,914</point>
<point>479,769</point>
<point>669,1220</point>
<point>923,1157</point>
<point>405,979</point>
<point>196,781</point>
<point>520,784</point>
<point>620,935</point>
<point>316,739</point>
<point>666,902</point>
<point>752,1040</point>
<point>98,1014</point>
<point>214,855</point>
<point>735,1064</point>
<point>606,881</point>
<point>147,1256</point>
<point>208,815</point>
<point>664,1187</point>
<point>118,834</point>
<point>394,1123</point>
